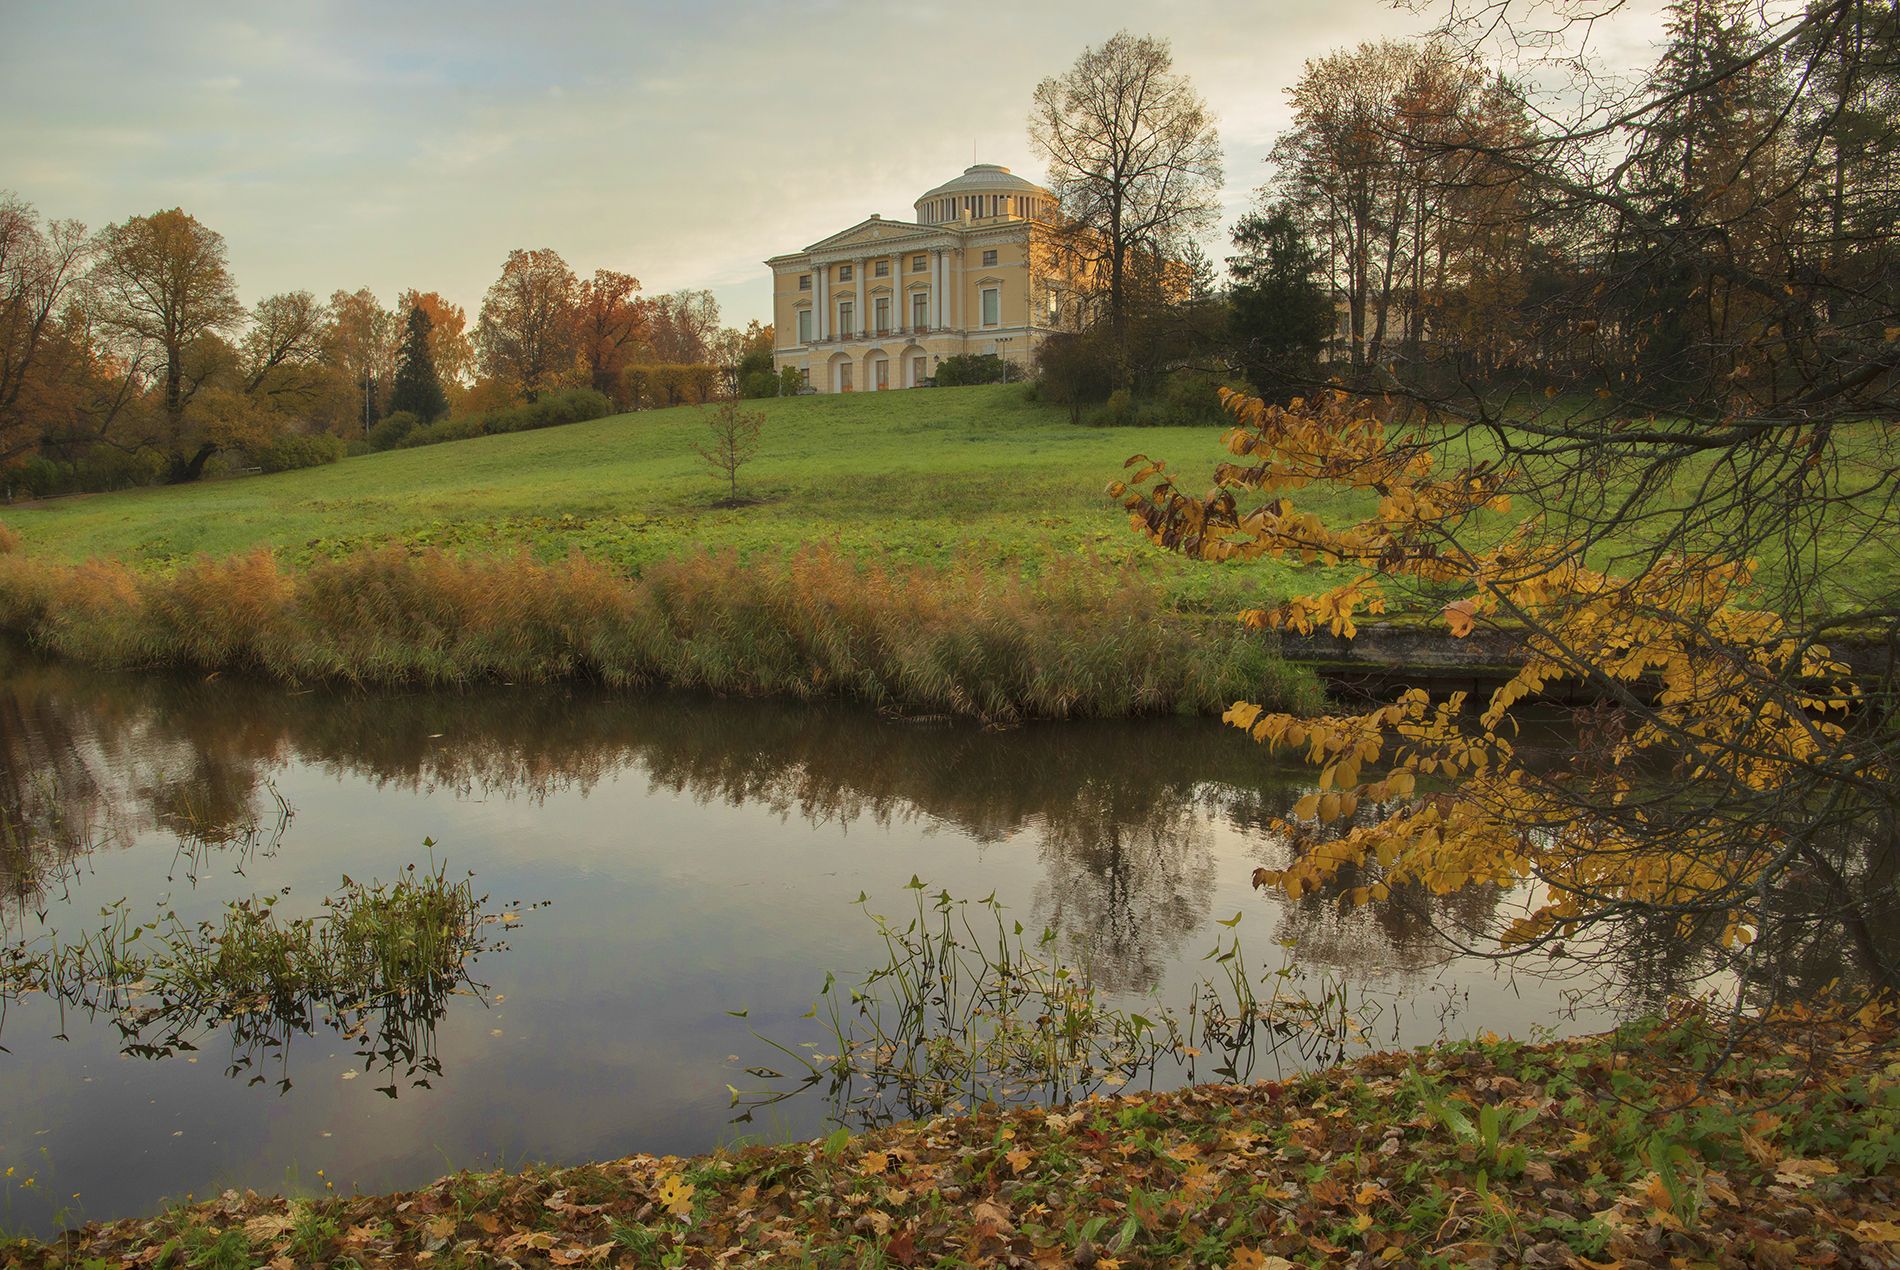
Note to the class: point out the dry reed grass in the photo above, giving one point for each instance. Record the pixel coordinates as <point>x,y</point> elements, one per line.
<point>1080,641</point>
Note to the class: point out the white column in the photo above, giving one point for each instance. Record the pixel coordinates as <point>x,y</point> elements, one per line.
<point>864,294</point>
<point>818,304</point>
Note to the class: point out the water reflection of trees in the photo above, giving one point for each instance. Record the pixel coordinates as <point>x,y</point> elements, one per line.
<point>79,774</point>
<point>1127,817</point>
<point>1121,813</point>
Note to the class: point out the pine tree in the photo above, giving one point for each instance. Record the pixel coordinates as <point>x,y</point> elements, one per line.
<point>417,388</point>
<point>1281,313</point>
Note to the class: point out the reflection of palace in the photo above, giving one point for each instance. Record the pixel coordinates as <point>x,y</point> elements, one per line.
<point>880,304</point>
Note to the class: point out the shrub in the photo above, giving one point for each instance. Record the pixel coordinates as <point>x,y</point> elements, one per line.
<point>392,430</point>
<point>661,384</point>
<point>1190,397</point>
<point>1117,412</point>
<point>759,383</point>
<point>106,467</point>
<point>791,382</point>
<point>102,467</point>
<point>294,450</point>
<point>975,368</point>
<point>571,405</point>
<point>1075,370</point>
<point>44,477</point>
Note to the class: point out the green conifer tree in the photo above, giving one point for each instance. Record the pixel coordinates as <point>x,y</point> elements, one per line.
<point>417,388</point>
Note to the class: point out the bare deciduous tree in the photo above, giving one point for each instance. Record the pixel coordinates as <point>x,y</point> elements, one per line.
<point>39,268</point>
<point>1134,159</point>
<point>733,442</point>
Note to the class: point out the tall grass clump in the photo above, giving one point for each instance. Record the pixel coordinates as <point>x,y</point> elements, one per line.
<point>378,965</point>
<point>968,1008</point>
<point>1080,640</point>
<point>9,541</point>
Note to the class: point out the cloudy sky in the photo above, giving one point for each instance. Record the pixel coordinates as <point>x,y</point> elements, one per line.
<point>339,146</point>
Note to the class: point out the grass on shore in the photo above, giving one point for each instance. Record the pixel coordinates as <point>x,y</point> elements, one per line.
<point>1598,1152</point>
<point>1081,640</point>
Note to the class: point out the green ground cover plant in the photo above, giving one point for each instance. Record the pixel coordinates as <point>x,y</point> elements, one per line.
<point>1603,1151</point>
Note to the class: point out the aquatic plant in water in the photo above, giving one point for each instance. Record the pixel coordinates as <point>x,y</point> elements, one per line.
<point>378,964</point>
<point>968,1008</point>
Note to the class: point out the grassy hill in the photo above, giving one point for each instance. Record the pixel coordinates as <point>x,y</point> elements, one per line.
<point>980,474</point>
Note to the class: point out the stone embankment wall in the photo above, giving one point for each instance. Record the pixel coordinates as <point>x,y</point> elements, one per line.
<point>1380,657</point>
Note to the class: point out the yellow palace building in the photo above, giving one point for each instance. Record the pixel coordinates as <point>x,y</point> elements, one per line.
<point>880,304</point>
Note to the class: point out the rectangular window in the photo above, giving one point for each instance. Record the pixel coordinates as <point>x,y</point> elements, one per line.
<point>844,376</point>
<point>844,273</point>
<point>883,374</point>
<point>804,282</point>
<point>844,319</point>
<point>882,269</point>
<point>804,375</point>
<point>919,263</point>
<point>989,257</point>
<point>881,310</point>
<point>920,310</point>
<point>804,326</point>
<point>917,372</point>
<point>992,306</point>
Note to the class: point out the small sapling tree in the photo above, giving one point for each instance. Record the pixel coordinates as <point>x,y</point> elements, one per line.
<point>732,442</point>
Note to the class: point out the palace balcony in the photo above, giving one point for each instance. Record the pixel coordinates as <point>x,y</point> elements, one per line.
<point>883,333</point>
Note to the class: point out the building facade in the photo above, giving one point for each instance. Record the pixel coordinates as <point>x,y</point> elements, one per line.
<point>881,304</point>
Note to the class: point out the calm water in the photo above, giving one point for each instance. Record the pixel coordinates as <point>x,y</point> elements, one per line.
<point>695,856</point>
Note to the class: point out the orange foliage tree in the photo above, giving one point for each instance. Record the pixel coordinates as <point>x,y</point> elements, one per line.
<point>1738,778</point>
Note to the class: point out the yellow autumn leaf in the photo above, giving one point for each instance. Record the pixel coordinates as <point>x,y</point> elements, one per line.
<point>1878,1232</point>
<point>676,1195</point>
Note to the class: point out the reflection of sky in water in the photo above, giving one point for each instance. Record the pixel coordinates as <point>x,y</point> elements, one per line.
<point>700,857</point>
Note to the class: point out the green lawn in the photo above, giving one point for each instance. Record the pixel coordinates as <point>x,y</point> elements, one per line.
<point>980,474</point>
<point>925,477</point>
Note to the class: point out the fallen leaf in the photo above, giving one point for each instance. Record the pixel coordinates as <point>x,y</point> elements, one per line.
<point>1804,1172</point>
<point>267,1226</point>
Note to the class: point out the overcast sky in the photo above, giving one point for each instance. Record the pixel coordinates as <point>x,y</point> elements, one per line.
<point>388,146</point>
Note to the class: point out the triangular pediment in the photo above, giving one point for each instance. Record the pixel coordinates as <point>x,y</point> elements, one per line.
<point>867,232</point>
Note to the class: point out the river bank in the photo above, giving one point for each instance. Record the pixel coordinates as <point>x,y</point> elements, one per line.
<point>1080,641</point>
<point>1599,1151</point>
